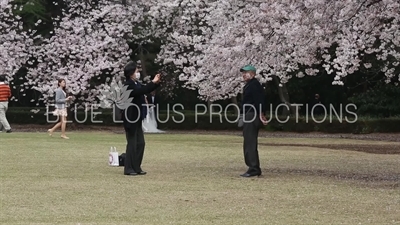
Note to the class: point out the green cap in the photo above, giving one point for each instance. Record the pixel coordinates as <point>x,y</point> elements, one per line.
<point>248,68</point>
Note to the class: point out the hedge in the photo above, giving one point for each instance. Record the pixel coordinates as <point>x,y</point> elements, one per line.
<point>215,122</point>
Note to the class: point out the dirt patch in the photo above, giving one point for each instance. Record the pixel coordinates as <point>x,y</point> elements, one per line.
<point>390,180</point>
<point>395,137</point>
<point>375,149</point>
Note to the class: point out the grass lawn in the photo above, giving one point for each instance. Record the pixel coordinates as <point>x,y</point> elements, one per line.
<point>194,179</point>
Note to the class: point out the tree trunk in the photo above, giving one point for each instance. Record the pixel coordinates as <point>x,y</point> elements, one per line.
<point>284,97</point>
<point>209,105</point>
<point>142,60</point>
<point>235,101</point>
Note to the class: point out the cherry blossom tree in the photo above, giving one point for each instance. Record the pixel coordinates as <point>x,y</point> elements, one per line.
<point>89,42</point>
<point>210,40</point>
<point>206,41</point>
<point>14,41</point>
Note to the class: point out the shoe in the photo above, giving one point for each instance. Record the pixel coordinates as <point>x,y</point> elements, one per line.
<point>250,174</point>
<point>50,132</point>
<point>131,174</point>
<point>9,131</point>
<point>142,173</point>
<point>64,137</point>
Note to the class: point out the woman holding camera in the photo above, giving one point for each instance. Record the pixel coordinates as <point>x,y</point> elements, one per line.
<point>133,116</point>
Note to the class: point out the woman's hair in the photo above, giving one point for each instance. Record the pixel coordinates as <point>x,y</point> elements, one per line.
<point>129,69</point>
<point>59,82</point>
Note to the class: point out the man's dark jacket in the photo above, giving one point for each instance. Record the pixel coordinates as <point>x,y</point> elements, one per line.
<point>253,95</point>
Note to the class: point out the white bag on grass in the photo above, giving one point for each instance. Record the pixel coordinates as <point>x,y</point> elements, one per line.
<point>113,157</point>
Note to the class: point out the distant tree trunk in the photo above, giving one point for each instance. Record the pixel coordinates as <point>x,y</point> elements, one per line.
<point>235,101</point>
<point>209,104</point>
<point>284,96</point>
<point>142,60</point>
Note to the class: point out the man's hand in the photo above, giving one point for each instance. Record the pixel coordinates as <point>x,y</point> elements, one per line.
<point>263,119</point>
<point>157,78</point>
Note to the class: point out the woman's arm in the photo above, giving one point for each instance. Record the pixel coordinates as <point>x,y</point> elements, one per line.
<point>138,91</point>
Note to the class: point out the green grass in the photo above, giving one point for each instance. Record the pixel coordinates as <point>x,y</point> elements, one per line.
<point>193,179</point>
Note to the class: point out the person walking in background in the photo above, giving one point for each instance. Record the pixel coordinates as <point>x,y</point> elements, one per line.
<point>5,94</point>
<point>150,123</point>
<point>153,101</point>
<point>253,108</point>
<point>61,109</point>
<point>316,105</point>
<point>133,117</point>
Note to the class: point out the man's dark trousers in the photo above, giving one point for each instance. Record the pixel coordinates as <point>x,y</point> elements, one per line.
<point>134,149</point>
<point>251,126</point>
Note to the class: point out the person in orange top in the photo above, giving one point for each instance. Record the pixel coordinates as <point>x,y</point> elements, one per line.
<point>5,94</point>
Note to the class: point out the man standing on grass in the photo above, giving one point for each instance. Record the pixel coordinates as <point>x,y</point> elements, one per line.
<point>253,108</point>
<point>5,94</point>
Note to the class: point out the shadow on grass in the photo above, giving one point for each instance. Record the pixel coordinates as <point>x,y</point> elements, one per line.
<point>390,177</point>
<point>375,149</point>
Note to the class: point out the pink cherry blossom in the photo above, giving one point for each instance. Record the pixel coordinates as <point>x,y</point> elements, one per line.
<point>210,40</point>
<point>14,42</point>
<point>88,40</point>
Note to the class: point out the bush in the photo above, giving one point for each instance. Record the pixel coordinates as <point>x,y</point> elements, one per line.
<point>191,121</point>
<point>378,101</point>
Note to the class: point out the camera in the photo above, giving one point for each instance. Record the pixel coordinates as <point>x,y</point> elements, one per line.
<point>161,72</point>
